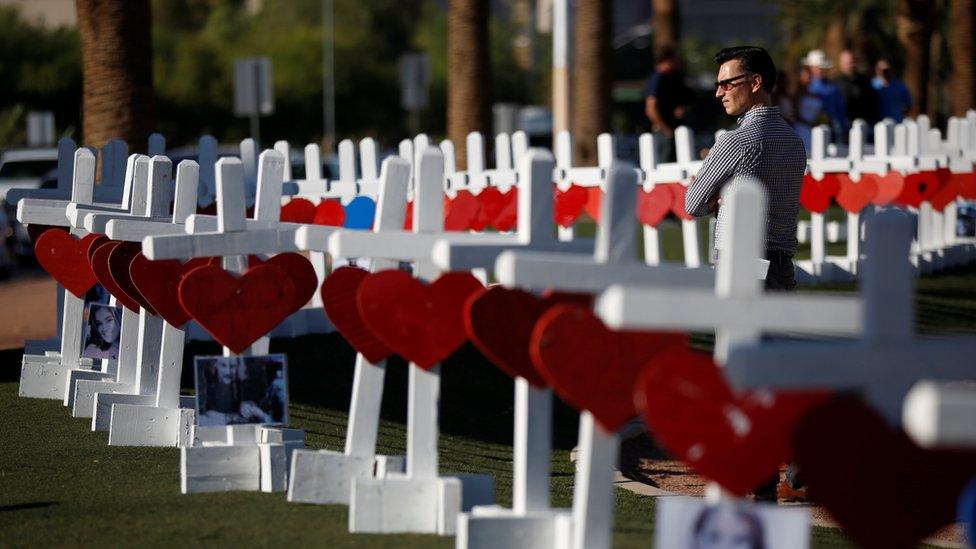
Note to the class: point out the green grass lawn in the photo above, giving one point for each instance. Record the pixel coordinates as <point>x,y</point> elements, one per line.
<point>60,484</point>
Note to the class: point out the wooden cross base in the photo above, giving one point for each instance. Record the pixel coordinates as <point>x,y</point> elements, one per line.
<point>43,376</point>
<point>494,526</point>
<point>238,457</point>
<point>426,505</point>
<point>326,477</point>
<point>150,425</point>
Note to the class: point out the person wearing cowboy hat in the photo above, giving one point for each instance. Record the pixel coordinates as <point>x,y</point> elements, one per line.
<point>828,92</point>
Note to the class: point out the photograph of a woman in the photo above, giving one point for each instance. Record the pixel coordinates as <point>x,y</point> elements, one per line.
<point>102,332</point>
<point>696,523</point>
<point>241,389</point>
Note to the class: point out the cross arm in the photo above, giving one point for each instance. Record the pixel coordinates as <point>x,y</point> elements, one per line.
<point>543,270</point>
<point>42,211</point>
<point>456,256</point>
<point>135,230</point>
<point>257,241</point>
<point>400,245</point>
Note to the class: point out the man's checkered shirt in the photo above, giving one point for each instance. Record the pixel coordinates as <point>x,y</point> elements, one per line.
<point>766,148</point>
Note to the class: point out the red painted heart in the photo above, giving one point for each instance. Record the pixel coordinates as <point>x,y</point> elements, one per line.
<point>237,311</point>
<point>947,193</point>
<point>918,187</point>
<point>301,272</point>
<point>812,196</point>
<point>408,217</point>
<point>93,244</point>
<point>594,197</point>
<point>507,217</point>
<point>339,301</point>
<point>738,440</point>
<point>158,283</point>
<point>422,323</point>
<point>461,211</point>
<point>967,185</point>
<point>653,206</point>
<point>497,210</point>
<point>885,491</point>
<point>499,323</point>
<point>569,204</point>
<point>298,210</point>
<point>678,202</point>
<point>830,184</point>
<point>103,271</point>
<point>854,197</point>
<point>331,213</point>
<point>591,367</point>
<point>119,259</point>
<point>889,187</point>
<point>65,258</point>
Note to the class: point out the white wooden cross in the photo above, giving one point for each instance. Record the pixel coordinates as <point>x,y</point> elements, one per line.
<point>45,376</point>
<point>529,523</point>
<point>243,458</point>
<point>887,359</point>
<point>323,476</point>
<point>419,500</point>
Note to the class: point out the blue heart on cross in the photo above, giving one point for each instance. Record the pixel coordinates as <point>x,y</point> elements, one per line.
<point>360,212</point>
<point>967,509</point>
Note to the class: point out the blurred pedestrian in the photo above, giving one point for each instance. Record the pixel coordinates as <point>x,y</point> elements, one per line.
<point>894,98</point>
<point>809,109</point>
<point>667,101</point>
<point>829,94</point>
<point>784,97</point>
<point>860,99</point>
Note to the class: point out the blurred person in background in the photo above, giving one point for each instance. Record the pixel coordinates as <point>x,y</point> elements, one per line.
<point>809,109</point>
<point>860,99</point>
<point>831,98</point>
<point>894,99</point>
<point>667,101</point>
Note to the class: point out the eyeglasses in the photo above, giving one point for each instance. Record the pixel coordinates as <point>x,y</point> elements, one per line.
<point>727,84</point>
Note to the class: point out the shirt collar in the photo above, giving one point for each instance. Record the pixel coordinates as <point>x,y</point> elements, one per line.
<point>758,112</point>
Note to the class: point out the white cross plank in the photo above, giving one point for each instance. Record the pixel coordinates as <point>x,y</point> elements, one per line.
<point>326,477</point>
<point>736,309</point>
<point>940,415</point>
<point>887,359</point>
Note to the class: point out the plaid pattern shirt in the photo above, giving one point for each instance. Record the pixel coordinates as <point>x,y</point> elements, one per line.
<point>763,147</point>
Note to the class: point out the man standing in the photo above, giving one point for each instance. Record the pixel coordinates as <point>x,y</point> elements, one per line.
<point>667,99</point>
<point>763,147</point>
<point>860,98</point>
<point>829,94</point>
<point>893,94</point>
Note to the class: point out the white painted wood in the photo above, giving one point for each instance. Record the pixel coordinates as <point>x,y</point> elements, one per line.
<point>593,495</point>
<point>520,146</point>
<point>347,161</point>
<point>368,159</point>
<point>133,425</point>
<point>940,415</point>
<point>503,152</point>
<point>450,156</point>
<point>220,469</point>
<point>249,163</point>
<point>274,467</point>
<point>284,149</point>
<point>313,163</point>
<point>887,359</point>
<point>475,151</point>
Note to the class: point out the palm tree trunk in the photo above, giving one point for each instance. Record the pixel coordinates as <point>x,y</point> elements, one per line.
<point>116,45</point>
<point>667,24</point>
<point>591,78</point>
<point>914,26</point>
<point>962,48</point>
<point>835,39</point>
<point>469,74</point>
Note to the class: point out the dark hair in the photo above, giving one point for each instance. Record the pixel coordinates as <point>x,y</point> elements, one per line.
<point>754,60</point>
<point>751,521</point>
<point>95,338</point>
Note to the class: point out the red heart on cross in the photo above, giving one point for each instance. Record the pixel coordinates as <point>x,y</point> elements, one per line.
<point>889,187</point>
<point>918,188</point>
<point>569,204</point>
<point>498,209</point>
<point>119,259</point>
<point>297,210</point>
<point>883,489</point>
<point>830,183</point>
<point>65,258</point>
<point>103,272</point>
<point>158,283</point>
<point>947,193</point>
<point>594,196</point>
<point>461,211</point>
<point>339,301</point>
<point>238,311</point>
<point>499,322</point>
<point>331,213</point>
<point>678,192</point>
<point>854,197</point>
<point>507,217</point>
<point>301,272</point>
<point>423,323</point>
<point>738,440</point>
<point>93,244</point>
<point>812,196</point>
<point>591,367</point>
<point>967,185</point>
<point>653,206</point>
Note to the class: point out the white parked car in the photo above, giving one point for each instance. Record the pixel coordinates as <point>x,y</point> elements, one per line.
<point>20,169</point>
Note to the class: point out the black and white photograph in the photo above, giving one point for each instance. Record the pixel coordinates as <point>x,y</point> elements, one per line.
<point>694,523</point>
<point>235,390</point>
<point>102,329</point>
